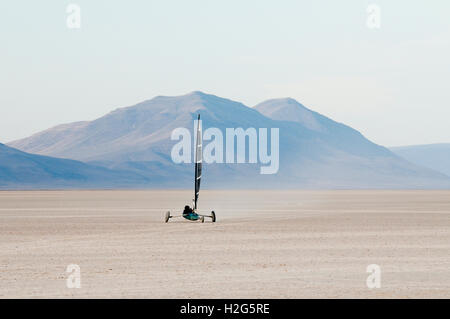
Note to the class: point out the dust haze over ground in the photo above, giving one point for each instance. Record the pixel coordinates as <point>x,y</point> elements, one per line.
<point>265,244</point>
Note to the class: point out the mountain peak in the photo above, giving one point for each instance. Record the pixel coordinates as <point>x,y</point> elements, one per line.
<point>197,93</point>
<point>289,109</point>
<point>285,99</point>
<point>284,102</point>
<point>195,96</point>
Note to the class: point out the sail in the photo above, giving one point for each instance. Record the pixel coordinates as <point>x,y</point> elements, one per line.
<point>198,161</point>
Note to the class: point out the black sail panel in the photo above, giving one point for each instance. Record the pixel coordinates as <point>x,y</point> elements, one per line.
<point>198,161</point>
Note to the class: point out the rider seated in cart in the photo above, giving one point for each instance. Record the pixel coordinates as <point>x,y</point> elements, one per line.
<point>188,213</point>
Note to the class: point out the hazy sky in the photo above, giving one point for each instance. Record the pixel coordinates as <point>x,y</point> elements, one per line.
<point>391,83</point>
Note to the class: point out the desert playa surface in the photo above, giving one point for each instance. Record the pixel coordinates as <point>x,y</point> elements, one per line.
<point>265,244</point>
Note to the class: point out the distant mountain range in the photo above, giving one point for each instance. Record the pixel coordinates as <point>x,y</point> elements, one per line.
<point>20,170</point>
<point>315,151</point>
<point>434,156</point>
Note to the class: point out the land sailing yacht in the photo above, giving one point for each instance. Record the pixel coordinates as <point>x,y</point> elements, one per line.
<point>192,213</point>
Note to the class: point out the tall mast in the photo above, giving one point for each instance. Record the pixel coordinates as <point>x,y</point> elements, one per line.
<point>198,161</point>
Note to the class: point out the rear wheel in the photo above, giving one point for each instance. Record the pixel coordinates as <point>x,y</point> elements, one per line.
<point>203,219</point>
<point>167,216</point>
<point>213,216</point>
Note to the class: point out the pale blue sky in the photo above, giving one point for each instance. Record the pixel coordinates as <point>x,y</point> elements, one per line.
<point>392,83</point>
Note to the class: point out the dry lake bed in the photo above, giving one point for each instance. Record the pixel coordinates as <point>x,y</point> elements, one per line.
<point>265,244</point>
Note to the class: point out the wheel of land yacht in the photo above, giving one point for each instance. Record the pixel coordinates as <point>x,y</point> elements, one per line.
<point>203,219</point>
<point>213,216</point>
<point>167,216</point>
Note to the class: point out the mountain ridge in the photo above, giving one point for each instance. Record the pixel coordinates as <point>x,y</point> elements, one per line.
<point>434,156</point>
<point>314,150</point>
<point>21,170</point>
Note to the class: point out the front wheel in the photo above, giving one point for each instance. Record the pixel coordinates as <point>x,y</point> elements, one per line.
<point>213,216</point>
